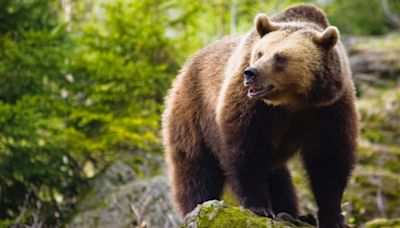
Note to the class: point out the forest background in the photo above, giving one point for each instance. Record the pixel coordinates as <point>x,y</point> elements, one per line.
<point>82,85</point>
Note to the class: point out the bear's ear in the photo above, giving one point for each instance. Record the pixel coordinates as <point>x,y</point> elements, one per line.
<point>264,25</point>
<point>328,38</point>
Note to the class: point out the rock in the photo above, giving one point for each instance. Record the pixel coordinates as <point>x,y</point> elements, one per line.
<point>217,214</point>
<point>374,60</point>
<point>119,199</point>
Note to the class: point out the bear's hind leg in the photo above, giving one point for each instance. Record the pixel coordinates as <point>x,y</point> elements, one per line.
<point>282,193</point>
<point>195,179</point>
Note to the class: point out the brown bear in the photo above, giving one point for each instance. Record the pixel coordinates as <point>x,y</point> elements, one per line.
<point>241,107</point>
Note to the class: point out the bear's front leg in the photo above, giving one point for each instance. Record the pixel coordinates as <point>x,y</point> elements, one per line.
<point>251,189</point>
<point>329,161</point>
<point>328,177</point>
<point>248,176</point>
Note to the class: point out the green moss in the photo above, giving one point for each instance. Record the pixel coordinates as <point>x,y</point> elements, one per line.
<point>383,223</point>
<point>373,135</point>
<point>229,198</point>
<point>218,214</point>
<point>389,43</point>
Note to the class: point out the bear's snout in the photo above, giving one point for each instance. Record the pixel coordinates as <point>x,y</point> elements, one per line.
<point>250,74</point>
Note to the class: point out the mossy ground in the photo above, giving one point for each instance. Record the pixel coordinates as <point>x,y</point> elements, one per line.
<point>383,223</point>
<point>388,43</point>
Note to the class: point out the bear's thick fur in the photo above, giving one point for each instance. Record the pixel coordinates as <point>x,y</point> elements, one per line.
<point>297,95</point>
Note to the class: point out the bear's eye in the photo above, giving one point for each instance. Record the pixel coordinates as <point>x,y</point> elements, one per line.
<point>259,54</point>
<point>279,59</point>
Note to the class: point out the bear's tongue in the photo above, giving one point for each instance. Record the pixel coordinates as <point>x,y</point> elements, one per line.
<point>255,89</point>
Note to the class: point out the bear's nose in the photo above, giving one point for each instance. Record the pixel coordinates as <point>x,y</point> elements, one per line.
<point>249,75</point>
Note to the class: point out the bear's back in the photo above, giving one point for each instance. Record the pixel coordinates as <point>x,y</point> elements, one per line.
<point>207,69</point>
<point>303,13</point>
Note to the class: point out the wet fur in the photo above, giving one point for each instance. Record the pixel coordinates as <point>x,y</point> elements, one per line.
<point>214,134</point>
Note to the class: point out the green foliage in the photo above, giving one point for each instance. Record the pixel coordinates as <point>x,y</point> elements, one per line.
<point>18,16</point>
<point>72,97</point>
<point>354,17</point>
<point>36,171</point>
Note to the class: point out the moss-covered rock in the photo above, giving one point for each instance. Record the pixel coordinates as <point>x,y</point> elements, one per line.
<point>378,56</point>
<point>218,214</point>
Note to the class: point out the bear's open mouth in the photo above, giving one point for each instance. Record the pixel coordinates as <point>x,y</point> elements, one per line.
<point>259,91</point>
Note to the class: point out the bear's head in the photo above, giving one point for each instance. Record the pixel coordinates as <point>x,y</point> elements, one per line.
<point>294,63</point>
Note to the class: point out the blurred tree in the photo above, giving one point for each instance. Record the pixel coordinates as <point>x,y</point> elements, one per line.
<point>354,17</point>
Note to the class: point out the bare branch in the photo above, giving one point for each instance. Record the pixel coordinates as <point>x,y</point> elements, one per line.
<point>394,19</point>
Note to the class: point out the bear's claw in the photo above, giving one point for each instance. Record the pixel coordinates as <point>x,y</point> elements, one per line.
<point>261,211</point>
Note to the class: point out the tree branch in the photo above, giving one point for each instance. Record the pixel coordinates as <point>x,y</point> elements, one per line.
<point>395,20</point>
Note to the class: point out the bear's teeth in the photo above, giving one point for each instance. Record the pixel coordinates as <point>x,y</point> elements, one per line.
<point>256,88</point>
